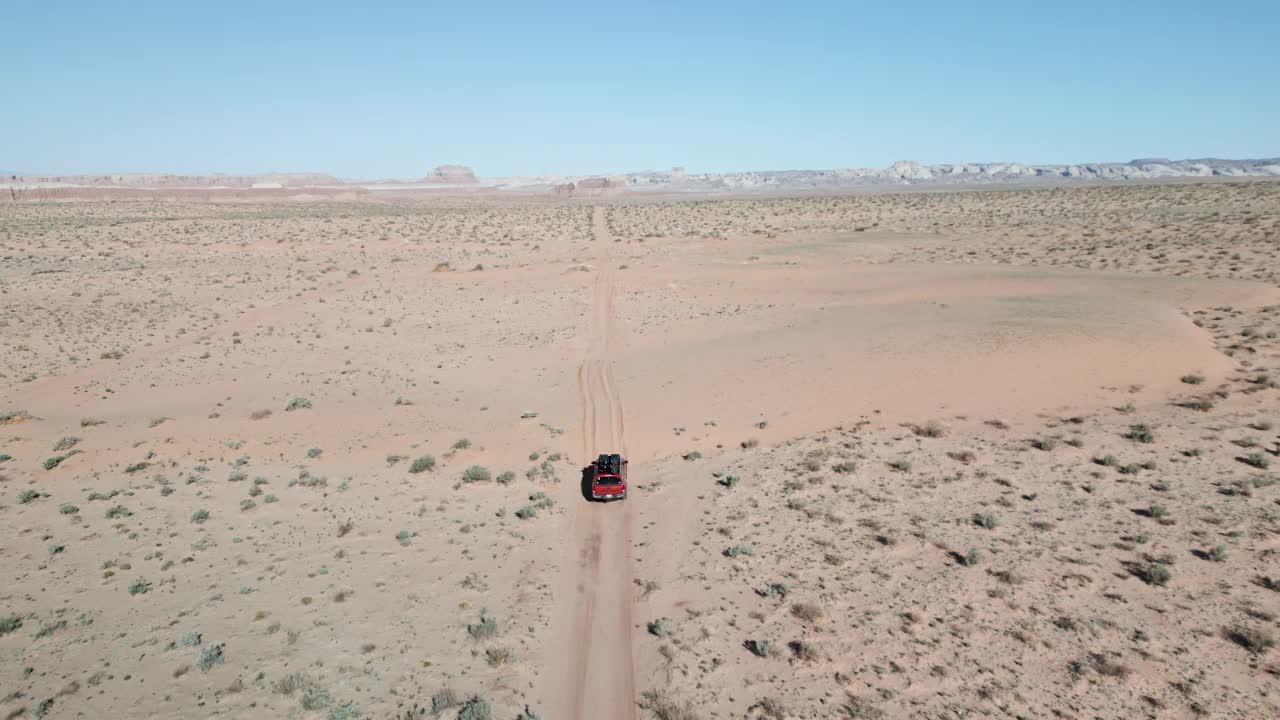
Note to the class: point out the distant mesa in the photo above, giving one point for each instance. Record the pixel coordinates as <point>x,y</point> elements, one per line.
<point>589,186</point>
<point>451,175</point>
<point>168,180</point>
<point>461,179</point>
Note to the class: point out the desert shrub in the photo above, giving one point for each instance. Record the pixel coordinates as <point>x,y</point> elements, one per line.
<point>505,478</point>
<point>931,429</point>
<point>804,651</point>
<point>844,468</point>
<point>118,511</point>
<point>9,623</point>
<point>807,612</point>
<point>476,473</point>
<point>814,460</point>
<point>55,461</point>
<point>485,629</point>
<point>901,465</point>
<point>737,550</point>
<point>778,590</point>
<point>199,516</point>
<point>497,656</point>
<point>1141,432</point>
<point>1203,404</point>
<point>759,648</point>
<point>403,537</point>
<point>1102,665</point>
<point>1255,641</point>
<point>306,479</point>
<point>462,444</point>
<point>772,709</point>
<point>664,707</point>
<point>65,443</point>
<point>749,443</point>
<point>661,627</point>
<point>315,697</point>
<point>345,711</point>
<point>986,520</point>
<point>211,656</point>
<point>1046,444</point>
<point>1192,379</point>
<point>1257,460</point>
<point>297,403</point>
<point>140,587</point>
<point>314,452</point>
<point>728,481</point>
<point>444,699</point>
<point>1156,574</point>
<point>475,708</point>
<point>422,463</point>
<point>29,495</point>
<point>527,512</point>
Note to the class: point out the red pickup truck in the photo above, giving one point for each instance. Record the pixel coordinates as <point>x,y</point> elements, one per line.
<point>609,478</point>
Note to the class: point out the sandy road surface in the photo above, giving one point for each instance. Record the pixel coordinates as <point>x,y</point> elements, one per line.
<point>593,640</point>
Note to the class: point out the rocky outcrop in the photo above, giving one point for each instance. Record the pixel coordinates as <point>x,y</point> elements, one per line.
<point>908,172</point>
<point>588,187</point>
<point>451,175</point>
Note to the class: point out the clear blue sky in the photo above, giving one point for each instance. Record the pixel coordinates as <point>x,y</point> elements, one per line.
<point>513,88</point>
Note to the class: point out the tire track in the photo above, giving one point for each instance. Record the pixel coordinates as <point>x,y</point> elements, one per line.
<point>595,626</point>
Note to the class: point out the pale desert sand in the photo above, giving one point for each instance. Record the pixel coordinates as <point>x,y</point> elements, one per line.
<point>928,455</point>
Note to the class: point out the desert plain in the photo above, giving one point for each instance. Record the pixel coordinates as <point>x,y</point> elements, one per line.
<point>1008,453</point>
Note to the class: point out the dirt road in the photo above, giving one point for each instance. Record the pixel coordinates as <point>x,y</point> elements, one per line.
<point>595,593</point>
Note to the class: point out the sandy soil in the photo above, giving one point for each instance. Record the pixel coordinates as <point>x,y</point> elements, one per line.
<point>924,455</point>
